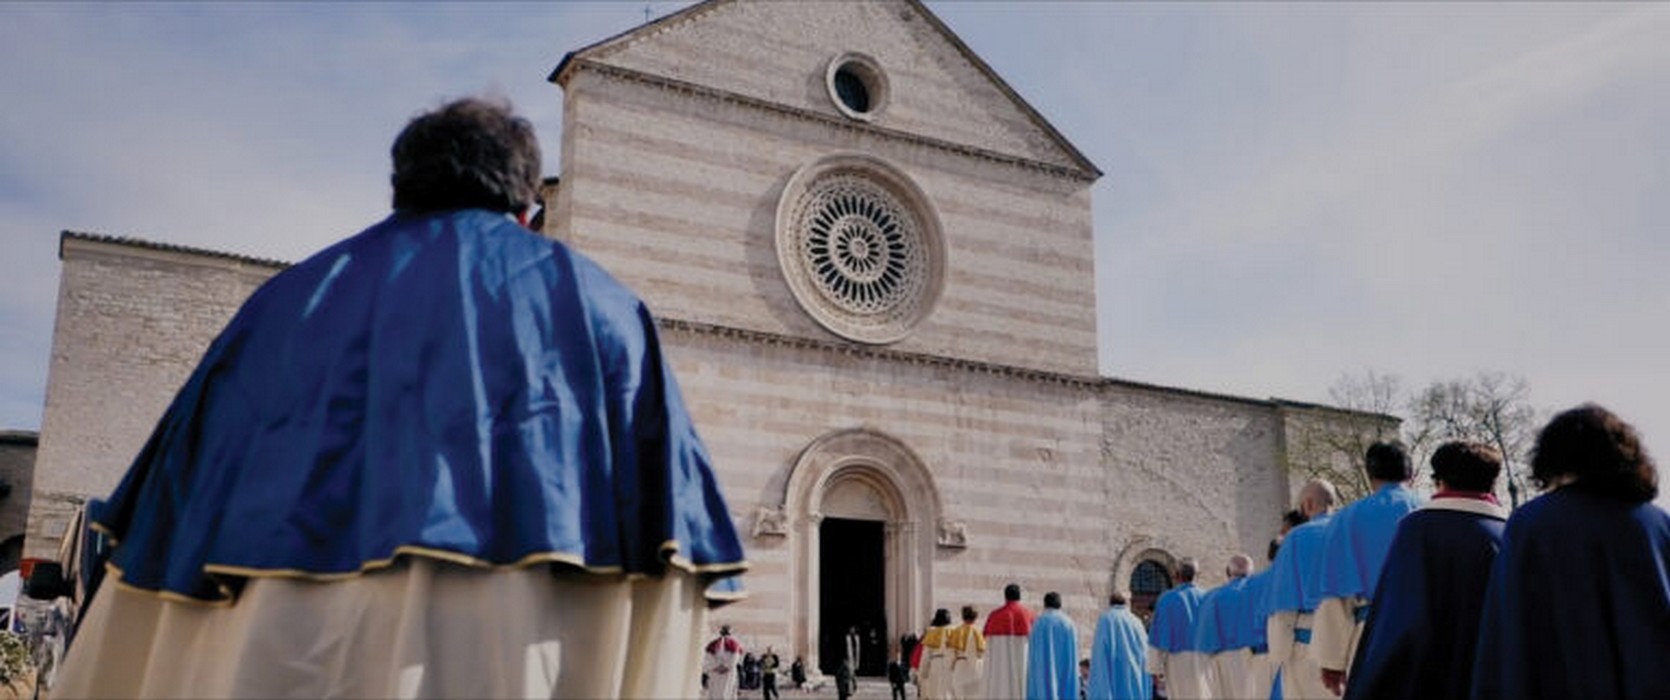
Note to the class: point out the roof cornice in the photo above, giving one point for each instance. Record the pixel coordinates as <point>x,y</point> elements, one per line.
<point>20,437</point>
<point>887,354</point>
<point>588,56</point>
<point>67,237</point>
<point>726,96</point>
<point>821,345</point>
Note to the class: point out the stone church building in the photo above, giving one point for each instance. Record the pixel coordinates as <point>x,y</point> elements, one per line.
<point>873,265</point>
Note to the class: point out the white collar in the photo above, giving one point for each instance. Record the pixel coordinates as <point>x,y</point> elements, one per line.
<point>1468,505</point>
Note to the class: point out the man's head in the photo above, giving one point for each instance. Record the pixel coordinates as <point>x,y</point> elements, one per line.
<point>1466,466</point>
<point>942,617</point>
<point>1239,565</point>
<point>969,615</point>
<point>468,154</point>
<point>724,630</point>
<point>1593,447</point>
<point>1118,597</point>
<point>1387,463</point>
<point>1012,592</point>
<point>1317,497</point>
<point>1052,600</point>
<point>1187,569</point>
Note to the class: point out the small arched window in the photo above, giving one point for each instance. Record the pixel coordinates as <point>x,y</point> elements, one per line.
<point>1149,579</point>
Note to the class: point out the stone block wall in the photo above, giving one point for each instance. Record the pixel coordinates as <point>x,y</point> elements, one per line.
<point>133,320</point>
<point>677,194</point>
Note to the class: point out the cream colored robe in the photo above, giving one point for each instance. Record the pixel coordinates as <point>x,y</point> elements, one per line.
<point>419,629</point>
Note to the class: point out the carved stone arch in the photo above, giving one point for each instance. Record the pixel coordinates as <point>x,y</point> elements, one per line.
<point>1137,550</point>
<point>864,474</point>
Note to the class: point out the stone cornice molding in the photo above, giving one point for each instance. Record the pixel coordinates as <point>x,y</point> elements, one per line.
<point>830,120</point>
<point>888,354</point>
<point>592,53</point>
<point>179,253</point>
<point>122,245</point>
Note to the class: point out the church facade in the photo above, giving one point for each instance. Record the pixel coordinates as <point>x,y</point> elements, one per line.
<point>873,266</point>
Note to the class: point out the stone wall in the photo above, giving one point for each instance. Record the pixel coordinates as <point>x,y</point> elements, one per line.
<point>132,322</point>
<point>676,192</point>
<point>778,53</point>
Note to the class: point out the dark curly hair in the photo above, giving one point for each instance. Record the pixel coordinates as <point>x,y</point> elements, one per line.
<point>468,154</point>
<point>1599,451</point>
<point>1466,466</point>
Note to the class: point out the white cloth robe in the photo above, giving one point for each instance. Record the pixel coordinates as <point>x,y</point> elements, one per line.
<point>419,629</point>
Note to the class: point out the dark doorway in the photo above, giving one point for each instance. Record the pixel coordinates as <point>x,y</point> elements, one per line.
<point>852,588</point>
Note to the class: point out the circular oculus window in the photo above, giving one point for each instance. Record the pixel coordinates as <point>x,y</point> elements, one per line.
<point>856,85</point>
<point>860,248</point>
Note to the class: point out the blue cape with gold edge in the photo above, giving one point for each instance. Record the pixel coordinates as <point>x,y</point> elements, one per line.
<point>446,385</point>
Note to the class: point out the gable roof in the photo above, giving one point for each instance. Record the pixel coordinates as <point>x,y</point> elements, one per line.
<point>613,44</point>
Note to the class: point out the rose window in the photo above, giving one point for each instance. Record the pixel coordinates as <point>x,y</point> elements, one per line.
<point>859,257</point>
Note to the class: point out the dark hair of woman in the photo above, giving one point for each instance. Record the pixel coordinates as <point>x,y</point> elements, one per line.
<point>942,617</point>
<point>1597,451</point>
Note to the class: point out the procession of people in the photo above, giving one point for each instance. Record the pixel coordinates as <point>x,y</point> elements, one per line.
<point>606,555</point>
<point>1390,596</point>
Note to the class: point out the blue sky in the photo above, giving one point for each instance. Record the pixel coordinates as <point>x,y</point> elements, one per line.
<point>1293,191</point>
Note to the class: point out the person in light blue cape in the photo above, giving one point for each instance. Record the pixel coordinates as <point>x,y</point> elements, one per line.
<point>1260,671</point>
<point>1174,656</point>
<point>1423,628</point>
<point>1579,599</point>
<point>1353,552</point>
<point>1224,634</point>
<point>1294,594</point>
<point>437,441</point>
<point>1052,664</point>
<point>1118,654</point>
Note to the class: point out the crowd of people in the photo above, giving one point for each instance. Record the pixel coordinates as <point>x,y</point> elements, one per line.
<point>1391,596</point>
<point>1395,597</point>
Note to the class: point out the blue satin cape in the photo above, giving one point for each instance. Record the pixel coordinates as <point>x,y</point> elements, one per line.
<point>445,385</point>
<point>1579,602</point>
<point>1173,626</point>
<point>1423,627</point>
<point>1222,623</point>
<point>1358,540</point>
<point>1118,654</point>
<point>1052,658</point>
<point>1253,611</point>
<point>1298,566</point>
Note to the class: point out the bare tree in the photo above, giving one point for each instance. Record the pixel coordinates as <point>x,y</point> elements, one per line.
<point>1329,442</point>
<point>1489,407</point>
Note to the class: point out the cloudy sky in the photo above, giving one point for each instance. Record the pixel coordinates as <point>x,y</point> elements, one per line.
<point>1294,192</point>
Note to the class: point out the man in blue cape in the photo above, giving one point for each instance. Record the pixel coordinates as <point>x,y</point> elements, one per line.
<point>1424,623</point>
<point>1261,672</point>
<point>1118,653</point>
<point>1052,664</point>
<point>1173,655</point>
<point>1579,598</point>
<point>1224,634</point>
<point>1352,554</point>
<point>444,457</point>
<point>1294,593</point>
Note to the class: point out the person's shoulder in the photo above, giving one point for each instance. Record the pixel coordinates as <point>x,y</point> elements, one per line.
<point>1315,528</point>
